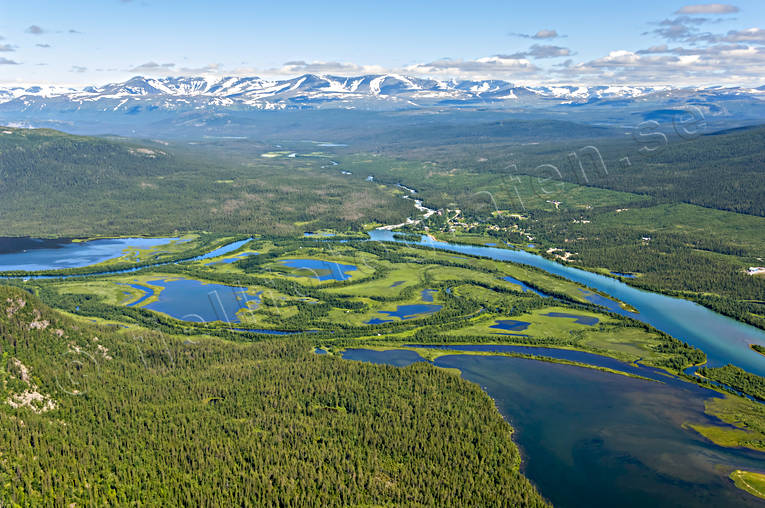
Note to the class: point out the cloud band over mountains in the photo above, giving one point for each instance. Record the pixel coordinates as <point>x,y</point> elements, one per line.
<point>695,44</point>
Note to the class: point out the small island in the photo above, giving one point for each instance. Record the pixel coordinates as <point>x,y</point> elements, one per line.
<point>754,483</point>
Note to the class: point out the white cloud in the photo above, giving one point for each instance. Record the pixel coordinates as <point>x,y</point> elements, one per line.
<point>540,51</point>
<point>717,64</point>
<point>498,66</point>
<point>545,34</point>
<point>708,9</point>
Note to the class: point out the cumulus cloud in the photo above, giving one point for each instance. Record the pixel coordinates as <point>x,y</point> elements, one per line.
<point>726,63</point>
<point>78,68</point>
<point>5,48</point>
<point>42,45</point>
<point>690,55</point>
<point>708,9</point>
<point>5,61</point>
<point>34,30</point>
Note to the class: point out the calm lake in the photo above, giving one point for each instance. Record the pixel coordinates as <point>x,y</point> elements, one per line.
<point>30,254</point>
<point>321,270</point>
<point>595,439</point>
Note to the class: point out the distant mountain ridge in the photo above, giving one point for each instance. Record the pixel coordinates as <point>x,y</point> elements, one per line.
<point>389,91</point>
<point>343,107</point>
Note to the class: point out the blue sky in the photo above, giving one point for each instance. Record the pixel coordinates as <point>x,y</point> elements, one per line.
<point>597,42</point>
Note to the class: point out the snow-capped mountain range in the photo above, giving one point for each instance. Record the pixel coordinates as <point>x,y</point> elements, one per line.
<point>362,92</point>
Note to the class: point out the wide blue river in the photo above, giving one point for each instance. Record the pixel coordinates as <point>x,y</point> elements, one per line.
<point>724,340</point>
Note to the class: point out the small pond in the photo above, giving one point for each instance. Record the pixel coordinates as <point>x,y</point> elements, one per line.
<point>321,270</point>
<point>427,295</point>
<point>404,312</point>
<point>195,301</point>
<point>578,318</point>
<point>510,325</point>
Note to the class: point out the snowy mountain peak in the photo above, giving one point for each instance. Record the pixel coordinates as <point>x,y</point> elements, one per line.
<point>312,91</point>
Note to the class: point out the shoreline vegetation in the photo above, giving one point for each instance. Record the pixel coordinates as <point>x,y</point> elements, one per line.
<point>744,419</point>
<point>737,379</point>
<point>754,483</point>
<point>202,244</point>
<point>431,354</point>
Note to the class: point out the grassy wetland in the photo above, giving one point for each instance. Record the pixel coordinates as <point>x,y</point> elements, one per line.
<point>381,293</point>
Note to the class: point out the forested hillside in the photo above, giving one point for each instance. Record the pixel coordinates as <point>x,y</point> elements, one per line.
<point>718,170</point>
<point>45,159</point>
<point>54,184</point>
<point>92,416</point>
<point>451,131</point>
